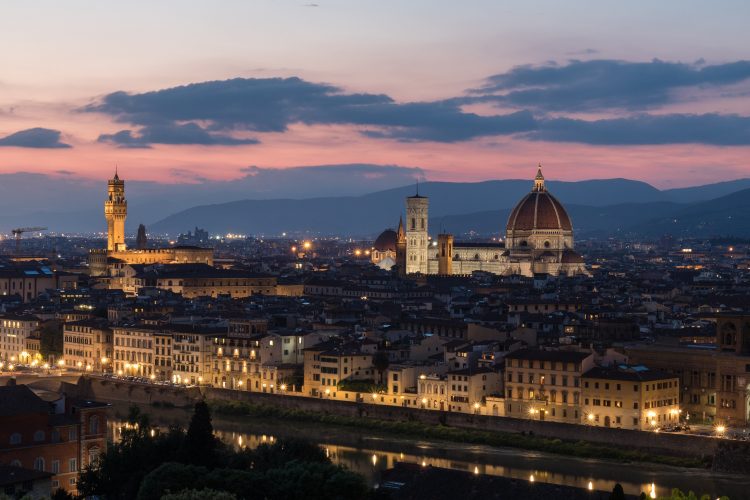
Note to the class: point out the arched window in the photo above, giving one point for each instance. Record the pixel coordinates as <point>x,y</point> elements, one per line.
<point>476,256</point>
<point>547,244</point>
<point>15,438</point>
<point>16,463</point>
<point>93,455</point>
<point>39,463</point>
<point>39,436</point>
<point>94,425</point>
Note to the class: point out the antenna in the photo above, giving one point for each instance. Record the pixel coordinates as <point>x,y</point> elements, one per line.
<point>417,186</point>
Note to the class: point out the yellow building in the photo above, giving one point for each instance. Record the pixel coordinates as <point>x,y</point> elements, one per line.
<point>14,330</point>
<point>109,261</point>
<point>134,351</point>
<point>545,385</point>
<point>87,345</point>
<point>468,388</point>
<point>163,356</point>
<point>630,398</point>
<point>327,366</point>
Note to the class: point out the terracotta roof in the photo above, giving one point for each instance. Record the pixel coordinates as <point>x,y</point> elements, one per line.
<point>386,241</point>
<point>539,210</point>
<point>20,400</point>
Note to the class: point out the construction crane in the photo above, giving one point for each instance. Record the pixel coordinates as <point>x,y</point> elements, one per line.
<point>20,230</point>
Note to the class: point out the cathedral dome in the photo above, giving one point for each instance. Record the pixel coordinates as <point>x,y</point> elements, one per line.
<point>386,241</point>
<point>539,210</point>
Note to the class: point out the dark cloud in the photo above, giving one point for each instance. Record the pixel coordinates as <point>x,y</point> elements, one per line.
<point>604,84</point>
<point>42,138</point>
<point>188,133</point>
<point>218,112</point>
<point>272,104</point>
<point>715,129</point>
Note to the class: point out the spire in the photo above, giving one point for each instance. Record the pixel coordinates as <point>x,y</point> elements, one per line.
<point>400,232</point>
<point>539,180</point>
<point>116,177</point>
<point>417,186</point>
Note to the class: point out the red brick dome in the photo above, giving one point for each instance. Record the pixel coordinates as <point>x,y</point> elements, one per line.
<point>386,241</point>
<point>539,210</point>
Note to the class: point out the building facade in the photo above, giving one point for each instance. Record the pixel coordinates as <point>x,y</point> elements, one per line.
<point>15,329</point>
<point>60,437</point>
<point>630,398</point>
<point>545,385</point>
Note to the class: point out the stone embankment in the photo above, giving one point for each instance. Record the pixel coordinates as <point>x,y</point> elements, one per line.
<point>726,455</point>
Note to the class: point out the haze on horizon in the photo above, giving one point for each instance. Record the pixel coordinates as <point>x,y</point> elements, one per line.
<point>194,92</point>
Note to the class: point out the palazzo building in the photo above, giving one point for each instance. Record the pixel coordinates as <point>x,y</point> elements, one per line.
<point>107,262</point>
<point>538,239</point>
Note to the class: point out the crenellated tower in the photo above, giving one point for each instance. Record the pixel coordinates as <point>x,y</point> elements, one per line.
<point>115,212</point>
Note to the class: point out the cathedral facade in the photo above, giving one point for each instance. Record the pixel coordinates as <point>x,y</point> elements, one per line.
<point>538,239</point>
<point>109,261</point>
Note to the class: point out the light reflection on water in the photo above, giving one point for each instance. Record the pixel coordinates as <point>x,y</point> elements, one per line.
<point>370,462</point>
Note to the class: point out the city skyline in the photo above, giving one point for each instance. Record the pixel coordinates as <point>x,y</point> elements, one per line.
<point>439,91</point>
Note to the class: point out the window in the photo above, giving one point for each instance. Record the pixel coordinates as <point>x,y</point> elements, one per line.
<point>94,425</point>
<point>39,464</point>
<point>93,455</point>
<point>39,436</point>
<point>55,467</point>
<point>72,465</point>
<point>15,438</point>
<point>72,434</point>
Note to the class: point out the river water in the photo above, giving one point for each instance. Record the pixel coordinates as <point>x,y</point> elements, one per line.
<point>368,453</point>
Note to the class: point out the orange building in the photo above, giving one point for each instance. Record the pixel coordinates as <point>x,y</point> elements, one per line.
<point>60,437</point>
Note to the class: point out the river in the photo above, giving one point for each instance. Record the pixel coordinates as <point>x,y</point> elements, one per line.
<point>368,453</point>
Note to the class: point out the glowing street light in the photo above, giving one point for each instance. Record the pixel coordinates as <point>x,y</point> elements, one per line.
<point>720,429</point>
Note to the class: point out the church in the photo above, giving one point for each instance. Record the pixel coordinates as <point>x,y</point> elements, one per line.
<point>109,261</point>
<point>538,239</point>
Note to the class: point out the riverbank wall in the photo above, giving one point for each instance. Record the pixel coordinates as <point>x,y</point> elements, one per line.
<point>726,455</point>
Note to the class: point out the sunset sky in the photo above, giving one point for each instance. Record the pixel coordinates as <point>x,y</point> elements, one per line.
<point>186,91</point>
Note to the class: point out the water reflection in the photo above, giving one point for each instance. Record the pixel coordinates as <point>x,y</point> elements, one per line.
<point>370,455</point>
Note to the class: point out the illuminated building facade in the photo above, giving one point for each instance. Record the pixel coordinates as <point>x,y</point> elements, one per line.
<point>108,262</point>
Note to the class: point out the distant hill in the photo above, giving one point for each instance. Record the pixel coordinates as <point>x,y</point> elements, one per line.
<point>707,192</point>
<point>587,220</point>
<point>369,214</point>
<point>725,216</point>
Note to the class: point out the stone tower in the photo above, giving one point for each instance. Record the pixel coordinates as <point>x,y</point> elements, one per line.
<point>401,248</point>
<point>445,254</point>
<point>417,242</point>
<point>141,240</point>
<point>115,211</point>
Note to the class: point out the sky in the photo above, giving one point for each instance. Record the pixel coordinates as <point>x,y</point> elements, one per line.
<point>192,92</point>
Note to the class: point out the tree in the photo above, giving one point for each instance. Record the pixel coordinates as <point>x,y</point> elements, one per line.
<point>200,443</point>
<point>617,493</point>
<point>51,338</point>
<point>61,494</point>
<point>206,494</point>
<point>381,362</point>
